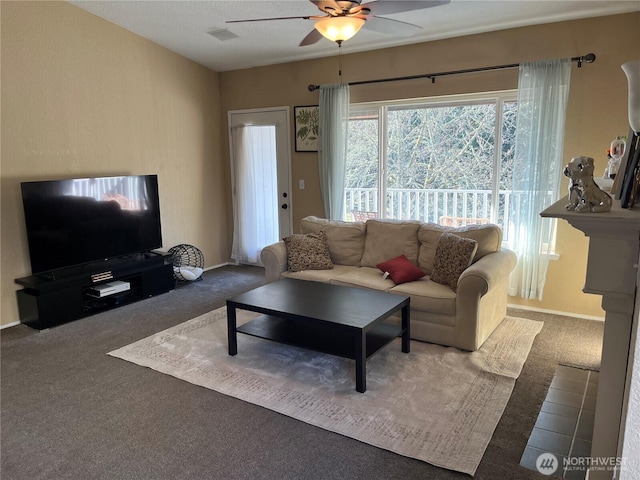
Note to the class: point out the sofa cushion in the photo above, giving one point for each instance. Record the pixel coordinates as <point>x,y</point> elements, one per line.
<point>365,277</point>
<point>307,252</point>
<point>453,255</point>
<point>400,270</point>
<point>429,296</point>
<point>387,239</point>
<point>312,224</point>
<point>344,239</point>
<point>324,276</point>
<point>489,238</point>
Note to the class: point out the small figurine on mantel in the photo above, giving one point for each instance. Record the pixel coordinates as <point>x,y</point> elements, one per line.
<point>584,194</point>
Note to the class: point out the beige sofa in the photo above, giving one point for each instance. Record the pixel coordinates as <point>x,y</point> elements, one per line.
<point>462,318</point>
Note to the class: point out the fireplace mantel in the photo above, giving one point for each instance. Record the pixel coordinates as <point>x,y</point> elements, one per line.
<point>612,271</point>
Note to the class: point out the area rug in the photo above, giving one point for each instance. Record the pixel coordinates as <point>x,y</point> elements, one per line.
<point>436,404</point>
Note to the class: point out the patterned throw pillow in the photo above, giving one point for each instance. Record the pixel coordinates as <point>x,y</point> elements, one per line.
<point>401,270</point>
<point>308,252</point>
<point>453,255</point>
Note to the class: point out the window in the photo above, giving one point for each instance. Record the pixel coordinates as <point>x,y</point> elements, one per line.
<point>442,160</point>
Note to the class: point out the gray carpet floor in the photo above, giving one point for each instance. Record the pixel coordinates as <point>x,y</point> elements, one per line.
<point>70,411</point>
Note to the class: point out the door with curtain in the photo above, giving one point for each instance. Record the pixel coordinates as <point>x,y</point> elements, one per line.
<point>260,176</point>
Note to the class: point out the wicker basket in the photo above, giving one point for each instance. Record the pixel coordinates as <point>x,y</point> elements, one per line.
<point>188,263</point>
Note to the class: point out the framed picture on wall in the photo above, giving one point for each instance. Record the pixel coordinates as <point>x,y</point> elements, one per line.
<point>306,128</point>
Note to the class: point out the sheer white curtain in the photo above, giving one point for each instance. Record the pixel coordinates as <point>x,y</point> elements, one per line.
<point>255,191</point>
<point>543,89</point>
<point>332,147</point>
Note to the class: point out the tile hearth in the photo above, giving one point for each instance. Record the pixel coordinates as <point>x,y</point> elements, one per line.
<point>565,423</point>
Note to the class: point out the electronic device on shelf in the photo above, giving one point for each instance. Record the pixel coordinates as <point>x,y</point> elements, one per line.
<point>106,289</point>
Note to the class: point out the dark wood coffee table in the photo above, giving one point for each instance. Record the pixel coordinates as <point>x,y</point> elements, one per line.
<point>342,321</point>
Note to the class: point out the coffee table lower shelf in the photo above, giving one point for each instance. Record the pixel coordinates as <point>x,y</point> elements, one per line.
<point>325,339</point>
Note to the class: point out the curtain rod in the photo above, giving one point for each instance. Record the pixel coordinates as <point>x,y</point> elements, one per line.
<point>588,58</point>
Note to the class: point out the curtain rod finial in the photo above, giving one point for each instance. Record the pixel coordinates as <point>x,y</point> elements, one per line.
<point>589,58</point>
<point>313,88</point>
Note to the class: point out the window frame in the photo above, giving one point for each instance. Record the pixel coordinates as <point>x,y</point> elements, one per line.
<point>497,98</point>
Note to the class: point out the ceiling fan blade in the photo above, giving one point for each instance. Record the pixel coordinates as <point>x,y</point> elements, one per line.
<point>378,7</point>
<point>313,37</point>
<point>274,18</point>
<point>391,27</point>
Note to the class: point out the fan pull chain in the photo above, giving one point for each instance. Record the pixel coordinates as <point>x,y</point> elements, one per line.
<point>340,61</point>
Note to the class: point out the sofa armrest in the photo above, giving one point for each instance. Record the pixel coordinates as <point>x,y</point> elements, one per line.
<point>490,270</point>
<point>481,299</point>
<point>274,259</point>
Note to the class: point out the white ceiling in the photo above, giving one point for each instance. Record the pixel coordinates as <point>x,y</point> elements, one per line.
<point>183,25</point>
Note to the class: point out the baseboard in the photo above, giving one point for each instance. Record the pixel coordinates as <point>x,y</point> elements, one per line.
<point>556,312</point>
<point>12,324</point>
<point>233,263</point>
<point>220,265</point>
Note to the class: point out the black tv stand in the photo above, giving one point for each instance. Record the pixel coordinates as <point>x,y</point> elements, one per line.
<point>53,298</point>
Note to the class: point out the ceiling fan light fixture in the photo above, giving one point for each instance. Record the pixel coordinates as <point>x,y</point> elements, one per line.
<point>339,29</point>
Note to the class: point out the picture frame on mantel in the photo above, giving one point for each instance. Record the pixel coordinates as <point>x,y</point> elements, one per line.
<point>306,122</point>
<point>629,185</point>
<point>625,162</point>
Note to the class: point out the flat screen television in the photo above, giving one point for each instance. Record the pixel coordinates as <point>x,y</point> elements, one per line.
<point>78,221</point>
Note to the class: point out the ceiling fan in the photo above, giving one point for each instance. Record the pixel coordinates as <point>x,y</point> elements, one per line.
<point>343,19</point>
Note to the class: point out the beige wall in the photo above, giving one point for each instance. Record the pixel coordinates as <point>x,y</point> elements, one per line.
<point>596,111</point>
<point>83,97</point>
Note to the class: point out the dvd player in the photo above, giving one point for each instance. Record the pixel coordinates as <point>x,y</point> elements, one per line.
<point>106,289</point>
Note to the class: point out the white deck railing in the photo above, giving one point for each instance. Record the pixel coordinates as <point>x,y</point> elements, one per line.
<point>431,205</point>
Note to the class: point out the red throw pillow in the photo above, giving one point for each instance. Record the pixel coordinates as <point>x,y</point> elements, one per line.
<point>401,270</point>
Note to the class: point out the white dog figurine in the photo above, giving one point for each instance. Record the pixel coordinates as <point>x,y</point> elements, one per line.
<point>584,194</point>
